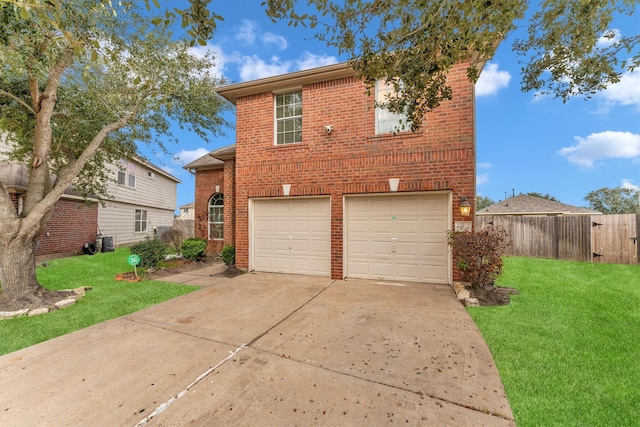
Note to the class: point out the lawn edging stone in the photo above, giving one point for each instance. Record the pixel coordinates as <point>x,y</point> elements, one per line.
<point>77,294</point>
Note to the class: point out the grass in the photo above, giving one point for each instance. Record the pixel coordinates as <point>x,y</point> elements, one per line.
<point>568,347</point>
<point>107,300</point>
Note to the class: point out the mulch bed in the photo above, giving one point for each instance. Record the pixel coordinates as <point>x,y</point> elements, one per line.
<point>492,295</point>
<point>169,268</point>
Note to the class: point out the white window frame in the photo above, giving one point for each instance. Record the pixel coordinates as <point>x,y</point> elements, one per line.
<point>386,121</point>
<point>287,117</point>
<point>140,221</point>
<point>215,217</point>
<point>126,173</point>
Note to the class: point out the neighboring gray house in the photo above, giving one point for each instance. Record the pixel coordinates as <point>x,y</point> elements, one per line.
<point>186,212</point>
<point>525,205</point>
<point>143,199</point>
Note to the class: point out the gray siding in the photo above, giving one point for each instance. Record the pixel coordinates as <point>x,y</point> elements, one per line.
<point>156,195</point>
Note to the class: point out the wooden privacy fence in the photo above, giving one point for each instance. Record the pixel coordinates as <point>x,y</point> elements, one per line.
<point>595,238</point>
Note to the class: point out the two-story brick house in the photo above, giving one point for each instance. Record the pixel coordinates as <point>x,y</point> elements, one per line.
<point>321,182</point>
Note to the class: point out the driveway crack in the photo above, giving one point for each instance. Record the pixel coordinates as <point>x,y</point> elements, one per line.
<point>291,314</point>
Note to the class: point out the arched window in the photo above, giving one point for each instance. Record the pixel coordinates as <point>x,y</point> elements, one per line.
<point>216,217</point>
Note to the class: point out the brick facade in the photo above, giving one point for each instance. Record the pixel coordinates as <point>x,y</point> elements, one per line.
<point>206,182</point>
<point>73,223</point>
<point>352,159</point>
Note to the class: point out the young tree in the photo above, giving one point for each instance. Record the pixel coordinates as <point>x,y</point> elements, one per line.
<point>483,202</point>
<point>82,82</point>
<point>614,200</point>
<point>543,196</point>
<point>415,43</point>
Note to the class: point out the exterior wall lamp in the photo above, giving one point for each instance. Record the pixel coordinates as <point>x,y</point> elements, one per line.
<point>465,207</point>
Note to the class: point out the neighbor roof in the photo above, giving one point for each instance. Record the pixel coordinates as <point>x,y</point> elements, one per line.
<point>532,205</point>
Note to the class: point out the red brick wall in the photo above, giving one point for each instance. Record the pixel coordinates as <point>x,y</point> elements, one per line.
<point>352,159</point>
<point>73,223</point>
<point>206,182</point>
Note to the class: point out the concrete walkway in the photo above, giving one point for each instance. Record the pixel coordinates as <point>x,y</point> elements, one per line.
<point>266,350</point>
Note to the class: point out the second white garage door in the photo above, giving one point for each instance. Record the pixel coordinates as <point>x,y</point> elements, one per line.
<point>291,236</point>
<point>398,237</point>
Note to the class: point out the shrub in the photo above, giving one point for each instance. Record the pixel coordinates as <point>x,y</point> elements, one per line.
<point>151,252</point>
<point>194,248</point>
<point>173,237</point>
<point>228,255</point>
<point>478,255</point>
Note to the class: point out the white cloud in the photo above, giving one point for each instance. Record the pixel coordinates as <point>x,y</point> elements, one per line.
<point>609,37</point>
<point>187,156</point>
<point>492,80</point>
<point>483,178</point>
<point>602,145</point>
<point>311,60</point>
<point>247,32</point>
<point>220,58</point>
<point>252,67</point>
<point>626,91</point>
<point>628,183</point>
<point>275,39</point>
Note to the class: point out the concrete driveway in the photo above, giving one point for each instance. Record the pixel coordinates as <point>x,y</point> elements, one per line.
<point>266,349</point>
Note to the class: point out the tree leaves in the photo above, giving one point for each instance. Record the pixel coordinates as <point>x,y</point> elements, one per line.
<point>418,41</point>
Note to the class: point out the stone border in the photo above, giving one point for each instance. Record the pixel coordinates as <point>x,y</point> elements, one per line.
<point>79,293</point>
<point>464,296</point>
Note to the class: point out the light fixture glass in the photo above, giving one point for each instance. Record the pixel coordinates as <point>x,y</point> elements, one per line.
<point>465,207</point>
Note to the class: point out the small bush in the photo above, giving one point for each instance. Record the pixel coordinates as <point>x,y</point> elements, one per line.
<point>478,255</point>
<point>194,248</point>
<point>228,255</point>
<point>173,237</point>
<point>150,251</point>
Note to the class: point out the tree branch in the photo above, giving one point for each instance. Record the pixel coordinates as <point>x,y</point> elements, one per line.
<point>68,173</point>
<point>18,100</point>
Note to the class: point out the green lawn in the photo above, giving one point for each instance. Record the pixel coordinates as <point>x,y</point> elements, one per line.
<point>108,298</point>
<point>568,347</point>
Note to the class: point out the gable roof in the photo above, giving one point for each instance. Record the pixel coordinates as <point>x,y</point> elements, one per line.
<point>203,163</point>
<point>532,205</point>
<point>290,81</point>
<point>213,159</point>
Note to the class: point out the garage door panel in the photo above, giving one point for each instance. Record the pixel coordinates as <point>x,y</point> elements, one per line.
<point>380,248</point>
<point>381,270</point>
<point>406,271</point>
<point>300,226</point>
<point>263,226</point>
<point>398,236</point>
<point>408,249</point>
<point>292,236</point>
<point>434,249</point>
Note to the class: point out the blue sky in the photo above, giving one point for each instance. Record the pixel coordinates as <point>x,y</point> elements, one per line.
<point>525,142</point>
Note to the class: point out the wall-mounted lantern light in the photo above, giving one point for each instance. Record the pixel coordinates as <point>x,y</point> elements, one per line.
<point>465,207</point>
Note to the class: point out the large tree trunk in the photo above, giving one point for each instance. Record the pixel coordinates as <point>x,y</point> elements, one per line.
<point>20,287</point>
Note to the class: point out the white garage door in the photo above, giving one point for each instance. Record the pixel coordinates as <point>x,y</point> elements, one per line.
<point>398,237</point>
<point>292,236</point>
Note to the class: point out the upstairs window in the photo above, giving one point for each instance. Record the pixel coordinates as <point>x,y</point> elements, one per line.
<point>126,173</point>
<point>288,118</point>
<point>386,121</point>
<point>216,217</point>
